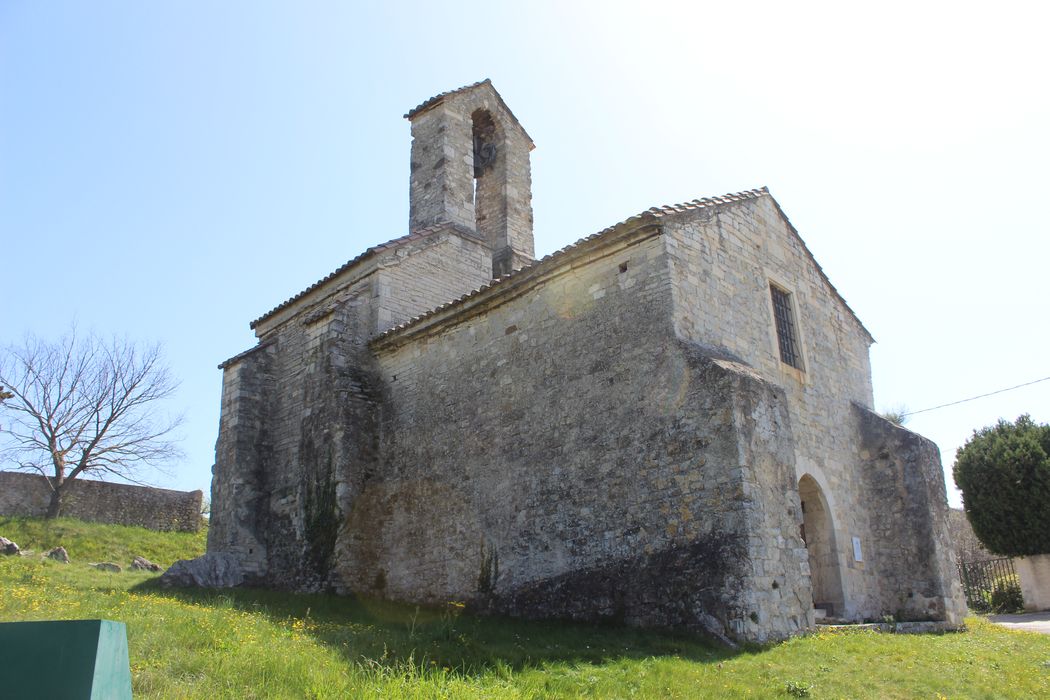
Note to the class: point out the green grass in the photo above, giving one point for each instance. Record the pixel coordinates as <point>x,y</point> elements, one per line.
<point>95,542</point>
<point>264,644</point>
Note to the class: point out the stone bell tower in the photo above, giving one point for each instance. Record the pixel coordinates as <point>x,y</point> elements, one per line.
<point>470,167</point>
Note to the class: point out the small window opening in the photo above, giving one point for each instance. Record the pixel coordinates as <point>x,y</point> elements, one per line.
<point>787,335</point>
<point>623,267</point>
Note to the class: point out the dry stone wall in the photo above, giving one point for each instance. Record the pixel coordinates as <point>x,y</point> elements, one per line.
<point>104,502</point>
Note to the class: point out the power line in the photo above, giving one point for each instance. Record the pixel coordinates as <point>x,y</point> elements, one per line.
<point>974,398</point>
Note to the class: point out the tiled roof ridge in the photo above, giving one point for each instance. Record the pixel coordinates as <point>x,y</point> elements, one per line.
<point>426,104</point>
<point>415,235</point>
<point>651,213</point>
<point>705,202</point>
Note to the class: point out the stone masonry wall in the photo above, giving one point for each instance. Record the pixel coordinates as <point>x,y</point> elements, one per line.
<point>422,276</point>
<point>297,429</point>
<point>609,434</point>
<point>296,416</point>
<point>910,542</point>
<point>243,451</point>
<point>564,455</point>
<point>779,590</point>
<point>612,436</point>
<point>723,261</point>
<point>104,502</point>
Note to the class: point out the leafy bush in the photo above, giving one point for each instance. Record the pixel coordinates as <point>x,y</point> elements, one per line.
<point>798,689</point>
<point>1003,472</point>
<point>1003,596</point>
<point>1006,597</point>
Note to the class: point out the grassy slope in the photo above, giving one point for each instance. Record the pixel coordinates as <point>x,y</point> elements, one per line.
<point>94,542</point>
<point>247,643</point>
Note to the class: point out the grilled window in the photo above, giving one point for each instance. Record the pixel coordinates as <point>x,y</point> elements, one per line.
<point>787,336</point>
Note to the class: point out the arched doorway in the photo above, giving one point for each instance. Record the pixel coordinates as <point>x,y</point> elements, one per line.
<point>818,532</point>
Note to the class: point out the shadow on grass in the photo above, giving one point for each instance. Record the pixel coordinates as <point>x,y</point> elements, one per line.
<point>367,631</point>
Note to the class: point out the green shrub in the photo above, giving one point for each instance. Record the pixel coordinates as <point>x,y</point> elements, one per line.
<point>1006,595</point>
<point>1007,600</point>
<point>1003,472</point>
<point>798,689</point>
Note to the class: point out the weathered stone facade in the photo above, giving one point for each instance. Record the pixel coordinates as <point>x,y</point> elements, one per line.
<point>28,495</point>
<point>666,423</point>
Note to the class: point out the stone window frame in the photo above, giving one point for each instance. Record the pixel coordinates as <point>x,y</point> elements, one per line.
<point>798,373</point>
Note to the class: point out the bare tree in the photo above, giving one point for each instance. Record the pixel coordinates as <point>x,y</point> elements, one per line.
<point>965,543</point>
<point>85,406</point>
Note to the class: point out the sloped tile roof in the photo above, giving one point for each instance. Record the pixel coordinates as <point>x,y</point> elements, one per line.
<point>652,214</point>
<point>416,235</point>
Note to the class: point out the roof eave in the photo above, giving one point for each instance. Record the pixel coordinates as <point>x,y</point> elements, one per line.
<point>519,281</point>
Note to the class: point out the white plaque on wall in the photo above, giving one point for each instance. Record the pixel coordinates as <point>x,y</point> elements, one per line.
<point>857,556</point>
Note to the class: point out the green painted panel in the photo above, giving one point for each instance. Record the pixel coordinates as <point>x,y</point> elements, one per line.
<point>66,660</point>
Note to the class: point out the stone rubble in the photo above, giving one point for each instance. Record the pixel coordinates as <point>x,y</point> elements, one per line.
<point>143,564</point>
<point>212,570</point>
<point>57,554</point>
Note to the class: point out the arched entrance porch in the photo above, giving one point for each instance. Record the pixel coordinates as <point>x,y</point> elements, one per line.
<point>818,532</point>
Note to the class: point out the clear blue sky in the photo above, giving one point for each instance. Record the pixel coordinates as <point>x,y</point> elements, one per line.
<point>171,170</point>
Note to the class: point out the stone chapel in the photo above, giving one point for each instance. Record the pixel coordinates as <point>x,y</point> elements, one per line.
<point>667,423</point>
